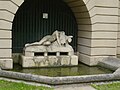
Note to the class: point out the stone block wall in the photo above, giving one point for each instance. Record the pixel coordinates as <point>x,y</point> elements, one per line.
<point>8,9</point>
<point>98,25</point>
<point>104,20</point>
<point>118,35</point>
<point>81,10</point>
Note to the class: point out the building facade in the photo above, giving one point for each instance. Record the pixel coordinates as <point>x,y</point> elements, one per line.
<point>98,23</point>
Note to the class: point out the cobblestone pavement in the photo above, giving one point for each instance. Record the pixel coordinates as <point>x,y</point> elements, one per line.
<point>83,86</point>
<point>74,87</point>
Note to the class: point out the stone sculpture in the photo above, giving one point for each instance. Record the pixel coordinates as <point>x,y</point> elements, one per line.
<point>51,50</point>
<point>58,36</point>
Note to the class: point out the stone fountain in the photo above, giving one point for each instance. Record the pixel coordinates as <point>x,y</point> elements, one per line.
<point>51,50</point>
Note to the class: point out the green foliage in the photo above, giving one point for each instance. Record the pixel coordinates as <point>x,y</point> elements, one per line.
<point>7,85</point>
<point>112,86</point>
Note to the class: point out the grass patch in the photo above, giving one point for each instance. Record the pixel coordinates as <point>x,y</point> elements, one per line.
<point>8,85</point>
<point>112,86</point>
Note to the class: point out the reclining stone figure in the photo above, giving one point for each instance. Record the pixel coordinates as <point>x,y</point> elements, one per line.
<point>58,36</point>
<point>51,50</point>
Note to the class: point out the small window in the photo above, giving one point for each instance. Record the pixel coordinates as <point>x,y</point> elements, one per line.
<point>63,53</point>
<point>39,54</point>
<point>45,15</point>
<point>51,53</point>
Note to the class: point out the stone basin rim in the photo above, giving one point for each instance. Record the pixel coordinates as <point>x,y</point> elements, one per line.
<point>59,80</point>
<point>108,63</point>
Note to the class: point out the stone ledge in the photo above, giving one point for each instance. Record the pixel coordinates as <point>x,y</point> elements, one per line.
<point>90,60</point>
<point>117,71</point>
<point>6,63</point>
<point>110,63</point>
<point>49,61</point>
<point>59,80</point>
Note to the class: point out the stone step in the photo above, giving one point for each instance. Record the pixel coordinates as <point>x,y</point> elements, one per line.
<point>110,63</point>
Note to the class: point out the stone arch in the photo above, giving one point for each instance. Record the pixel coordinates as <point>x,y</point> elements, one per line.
<point>82,15</point>
<point>80,8</point>
<point>83,11</point>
